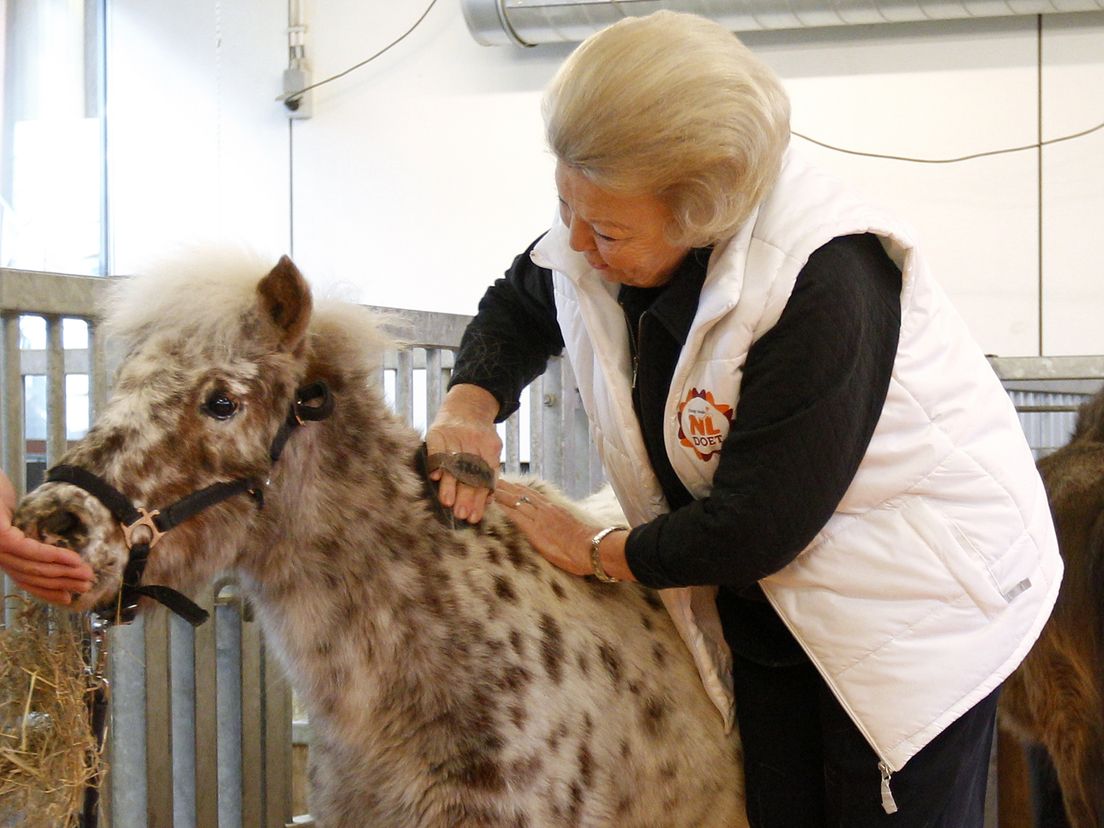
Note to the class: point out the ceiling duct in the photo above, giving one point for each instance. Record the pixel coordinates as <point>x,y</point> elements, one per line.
<point>529,22</point>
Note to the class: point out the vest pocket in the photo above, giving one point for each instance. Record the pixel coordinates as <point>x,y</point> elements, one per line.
<point>959,556</point>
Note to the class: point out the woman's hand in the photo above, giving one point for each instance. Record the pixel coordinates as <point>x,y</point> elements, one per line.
<point>558,535</point>
<point>48,572</point>
<point>465,424</point>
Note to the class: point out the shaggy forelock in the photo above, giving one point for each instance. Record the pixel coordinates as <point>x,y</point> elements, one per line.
<point>217,286</point>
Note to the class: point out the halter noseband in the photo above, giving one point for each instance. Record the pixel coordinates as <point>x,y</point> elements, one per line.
<point>142,529</point>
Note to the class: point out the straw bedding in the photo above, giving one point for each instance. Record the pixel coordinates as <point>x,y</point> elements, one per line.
<point>48,755</point>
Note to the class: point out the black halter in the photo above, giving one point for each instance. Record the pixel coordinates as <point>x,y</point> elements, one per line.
<point>142,529</point>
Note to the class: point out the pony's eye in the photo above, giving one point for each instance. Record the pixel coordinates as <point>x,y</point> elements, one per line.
<point>220,406</point>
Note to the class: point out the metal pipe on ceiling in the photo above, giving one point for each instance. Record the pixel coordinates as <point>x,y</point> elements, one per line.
<point>529,22</point>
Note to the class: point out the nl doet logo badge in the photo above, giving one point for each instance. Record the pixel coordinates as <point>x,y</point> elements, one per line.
<point>703,423</point>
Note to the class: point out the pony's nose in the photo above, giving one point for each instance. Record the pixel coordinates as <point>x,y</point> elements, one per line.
<point>64,525</point>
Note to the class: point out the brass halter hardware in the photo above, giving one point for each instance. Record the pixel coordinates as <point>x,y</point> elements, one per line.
<point>146,520</point>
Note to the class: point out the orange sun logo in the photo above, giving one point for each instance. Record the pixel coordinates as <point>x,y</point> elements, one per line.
<point>703,423</point>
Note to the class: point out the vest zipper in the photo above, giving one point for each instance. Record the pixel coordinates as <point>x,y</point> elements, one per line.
<point>888,803</point>
<point>634,345</point>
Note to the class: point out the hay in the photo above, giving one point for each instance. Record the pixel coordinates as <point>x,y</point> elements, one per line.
<point>48,755</point>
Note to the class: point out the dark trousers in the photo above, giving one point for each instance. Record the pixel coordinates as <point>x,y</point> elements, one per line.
<point>807,766</point>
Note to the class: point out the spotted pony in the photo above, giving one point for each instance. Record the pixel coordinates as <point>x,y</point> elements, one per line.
<point>452,676</point>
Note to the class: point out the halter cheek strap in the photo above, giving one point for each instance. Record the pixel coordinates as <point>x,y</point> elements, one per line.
<point>313,402</point>
<point>142,529</point>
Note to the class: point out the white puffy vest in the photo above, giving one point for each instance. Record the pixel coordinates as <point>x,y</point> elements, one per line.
<point>940,566</point>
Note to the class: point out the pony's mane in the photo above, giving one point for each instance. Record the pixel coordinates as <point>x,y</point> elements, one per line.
<point>351,335</point>
<point>207,295</point>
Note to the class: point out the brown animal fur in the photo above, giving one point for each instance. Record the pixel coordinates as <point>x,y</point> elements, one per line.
<point>1056,697</point>
<point>451,675</point>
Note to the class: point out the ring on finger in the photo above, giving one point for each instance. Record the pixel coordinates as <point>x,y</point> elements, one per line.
<point>520,500</point>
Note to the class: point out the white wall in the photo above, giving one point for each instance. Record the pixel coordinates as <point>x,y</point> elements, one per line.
<point>197,148</point>
<point>424,173</point>
<point>942,90</point>
<point>421,175</point>
<point>1073,186</point>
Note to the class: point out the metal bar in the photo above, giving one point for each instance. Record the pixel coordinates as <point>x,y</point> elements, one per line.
<point>418,356</point>
<point>252,727</point>
<point>277,743</point>
<point>551,433</point>
<point>228,645</point>
<point>14,443</point>
<point>33,291</point>
<point>206,736</point>
<point>435,393</point>
<point>423,329</point>
<point>127,777</point>
<point>584,459</point>
<point>1048,368</point>
<point>98,382</point>
<point>301,741</point>
<point>159,761</point>
<point>513,443</point>
<point>536,415</point>
<point>404,385</point>
<point>530,22</point>
<point>36,360</point>
<point>576,438</point>
<point>183,720</point>
<point>55,391</point>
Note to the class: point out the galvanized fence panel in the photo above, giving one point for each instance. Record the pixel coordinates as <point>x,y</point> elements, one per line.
<point>1047,392</point>
<point>202,722</point>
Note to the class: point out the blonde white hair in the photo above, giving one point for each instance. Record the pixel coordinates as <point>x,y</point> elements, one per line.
<point>672,105</point>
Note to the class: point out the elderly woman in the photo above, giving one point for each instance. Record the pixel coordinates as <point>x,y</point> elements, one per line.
<point>807,444</point>
<point>818,466</point>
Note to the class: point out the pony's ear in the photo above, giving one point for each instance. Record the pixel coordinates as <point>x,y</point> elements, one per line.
<point>286,299</point>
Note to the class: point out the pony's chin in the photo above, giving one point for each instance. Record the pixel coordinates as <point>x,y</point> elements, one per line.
<point>102,601</point>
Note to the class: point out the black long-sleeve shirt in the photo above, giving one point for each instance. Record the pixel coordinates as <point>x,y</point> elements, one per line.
<point>811,395</point>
